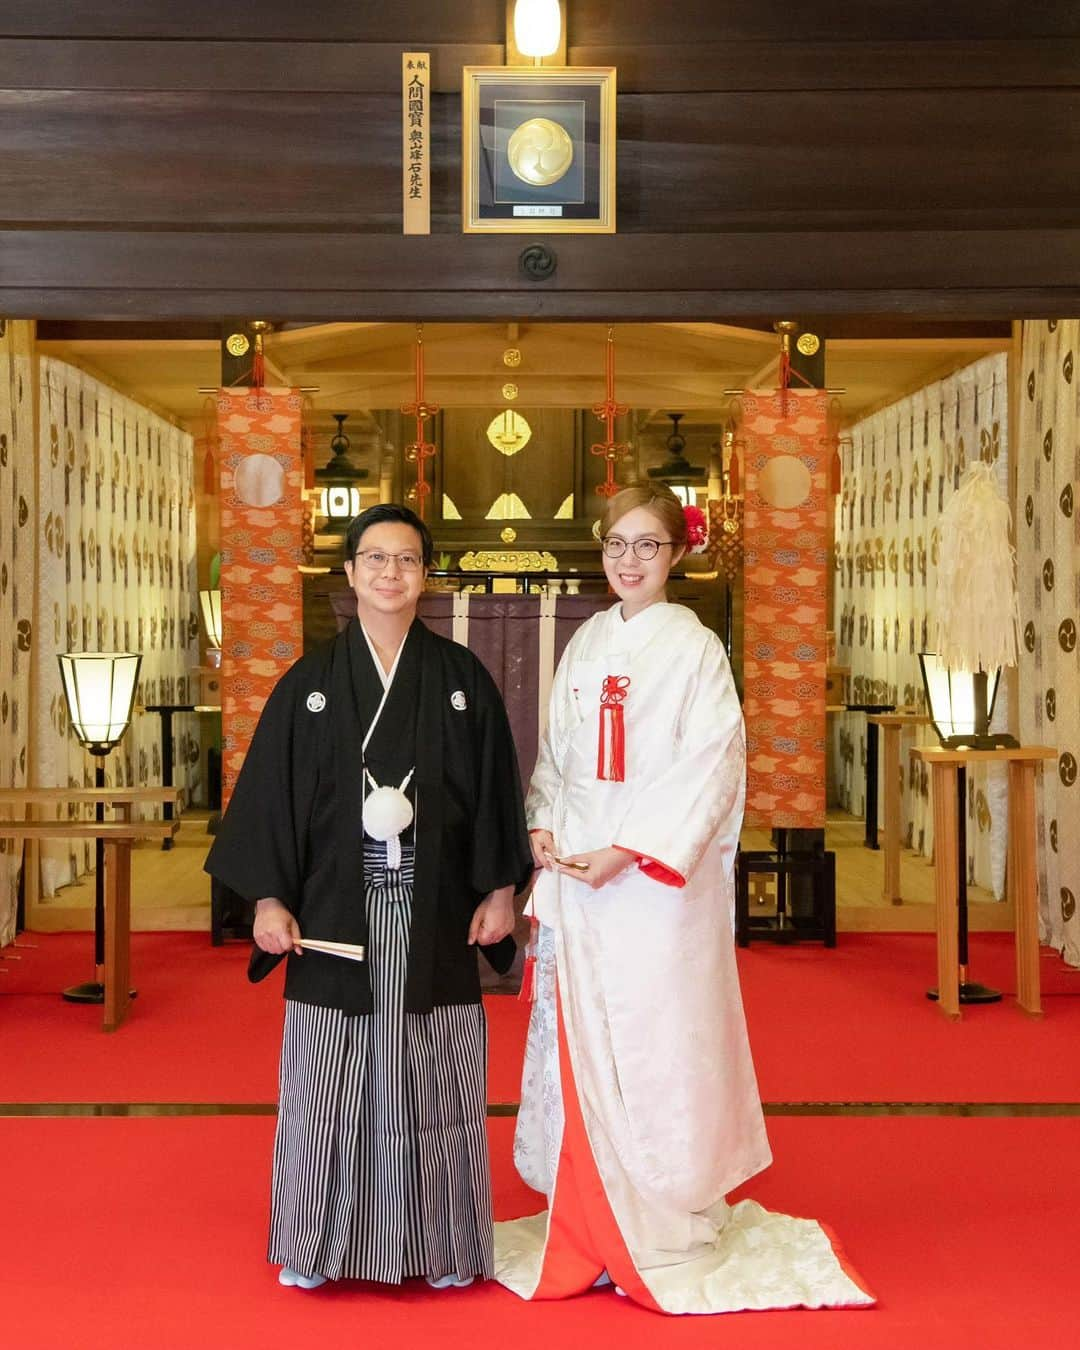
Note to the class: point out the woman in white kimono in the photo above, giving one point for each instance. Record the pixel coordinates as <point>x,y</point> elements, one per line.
<point>639,1104</point>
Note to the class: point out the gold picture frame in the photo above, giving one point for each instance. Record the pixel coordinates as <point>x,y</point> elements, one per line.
<point>538,150</point>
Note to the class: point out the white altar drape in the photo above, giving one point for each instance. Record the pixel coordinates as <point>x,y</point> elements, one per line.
<point>1048,551</point>
<point>899,470</point>
<point>116,559</point>
<point>18,508</point>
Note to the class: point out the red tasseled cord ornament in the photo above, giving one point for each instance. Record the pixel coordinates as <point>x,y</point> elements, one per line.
<point>527,992</point>
<point>611,750</point>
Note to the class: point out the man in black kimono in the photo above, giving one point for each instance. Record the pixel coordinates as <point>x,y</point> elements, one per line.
<point>379,805</point>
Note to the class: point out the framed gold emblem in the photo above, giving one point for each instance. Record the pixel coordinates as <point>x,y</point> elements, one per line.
<point>538,150</point>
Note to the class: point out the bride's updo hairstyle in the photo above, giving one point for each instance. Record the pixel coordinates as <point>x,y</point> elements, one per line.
<point>658,499</point>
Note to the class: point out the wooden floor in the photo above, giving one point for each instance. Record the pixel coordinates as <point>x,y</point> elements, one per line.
<point>860,874</point>
<point>170,891</point>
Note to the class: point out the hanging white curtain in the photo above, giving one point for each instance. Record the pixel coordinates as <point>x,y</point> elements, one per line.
<point>18,507</point>
<point>899,470</point>
<point>1048,551</point>
<point>116,573</point>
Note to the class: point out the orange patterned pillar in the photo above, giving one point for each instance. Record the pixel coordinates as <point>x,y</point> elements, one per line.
<point>786,501</point>
<point>261,530</point>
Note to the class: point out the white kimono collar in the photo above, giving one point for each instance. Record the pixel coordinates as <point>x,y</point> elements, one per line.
<point>630,635</point>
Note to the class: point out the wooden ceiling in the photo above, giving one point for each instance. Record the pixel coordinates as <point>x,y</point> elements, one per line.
<point>683,367</point>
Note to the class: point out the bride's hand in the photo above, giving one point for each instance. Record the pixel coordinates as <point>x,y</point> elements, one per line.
<point>543,848</point>
<point>597,867</point>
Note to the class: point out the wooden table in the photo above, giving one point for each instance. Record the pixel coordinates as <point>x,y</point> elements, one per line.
<point>165,712</point>
<point>1022,762</point>
<point>117,837</point>
<point>870,791</point>
<point>892,725</point>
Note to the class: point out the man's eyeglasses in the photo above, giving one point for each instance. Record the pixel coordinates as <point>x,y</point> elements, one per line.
<point>375,560</point>
<point>614,547</point>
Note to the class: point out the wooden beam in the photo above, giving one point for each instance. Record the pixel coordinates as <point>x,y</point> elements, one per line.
<point>202,266</point>
<point>673,67</point>
<point>136,332</point>
<point>277,20</point>
<point>879,161</point>
<point>767,65</point>
<point>987,302</point>
<point>872,347</point>
<point>283,68</point>
<point>593,22</point>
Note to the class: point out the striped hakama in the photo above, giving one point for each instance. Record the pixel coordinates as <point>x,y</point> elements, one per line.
<point>380,1156</point>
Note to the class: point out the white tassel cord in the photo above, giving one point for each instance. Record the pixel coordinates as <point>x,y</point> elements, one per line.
<point>387,811</point>
<point>977,617</point>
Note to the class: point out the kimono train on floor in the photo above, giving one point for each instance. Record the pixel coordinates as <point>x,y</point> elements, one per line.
<point>640,1109</point>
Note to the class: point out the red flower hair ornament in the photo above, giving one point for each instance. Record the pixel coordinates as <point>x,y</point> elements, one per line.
<point>697,529</point>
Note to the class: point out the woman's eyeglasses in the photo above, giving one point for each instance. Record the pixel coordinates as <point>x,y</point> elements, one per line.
<point>375,560</point>
<point>614,547</point>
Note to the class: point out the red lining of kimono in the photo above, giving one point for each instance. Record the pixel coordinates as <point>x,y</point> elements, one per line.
<point>583,1237</point>
<point>654,868</point>
<point>845,1264</point>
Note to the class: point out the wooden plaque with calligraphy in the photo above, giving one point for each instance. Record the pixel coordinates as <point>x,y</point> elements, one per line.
<point>416,142</point>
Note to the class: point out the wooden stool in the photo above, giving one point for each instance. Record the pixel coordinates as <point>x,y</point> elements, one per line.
<point>1023,761</point>
<point>819,866</point>
<point>231,916</point>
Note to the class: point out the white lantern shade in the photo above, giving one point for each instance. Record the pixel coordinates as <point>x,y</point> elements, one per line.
<point>210,603</point>
<point>100,690</point>
<point>537,27</point>
<point>951,697</point>
<point>339,502</point>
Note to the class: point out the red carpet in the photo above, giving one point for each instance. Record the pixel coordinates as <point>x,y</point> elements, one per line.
<point>854,1024</point>
<point>198,1031</point>
<point>152,1233</point>
<point>850,1024</point>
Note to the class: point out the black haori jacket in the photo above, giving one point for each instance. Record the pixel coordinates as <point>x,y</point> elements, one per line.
<point>293,825</point>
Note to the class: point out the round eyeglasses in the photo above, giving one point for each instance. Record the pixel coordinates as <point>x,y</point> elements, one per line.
<point>614,547</point>
<point>375,560</point>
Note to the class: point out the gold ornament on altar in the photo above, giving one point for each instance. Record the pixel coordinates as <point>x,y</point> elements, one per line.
<point>540,152</point>
<point>509,432</point>
<point>508,535</point>
<point>510,392</point>
<point>808,343</point>
<point>512,357</point>
<point>492,560</point>
<point>237,344</point>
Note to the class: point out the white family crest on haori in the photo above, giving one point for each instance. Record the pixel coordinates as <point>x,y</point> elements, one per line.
<point>316,701</point>
<point>458,701</point>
